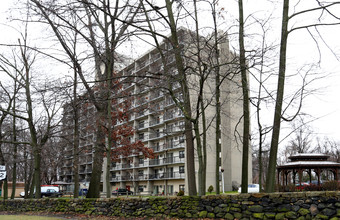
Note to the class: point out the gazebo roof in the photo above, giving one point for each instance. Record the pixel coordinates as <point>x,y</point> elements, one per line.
<point>308,156</point>
<point>309,164</point>
<point>309,161</point>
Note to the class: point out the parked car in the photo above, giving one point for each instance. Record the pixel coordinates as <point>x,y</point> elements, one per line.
<point>22,194</point>
<point>47,191</point>
<point>50,193</point>
<point>252,188</point>
<point>121,192</point>
<point>83,192</point>
<point>302,186</point>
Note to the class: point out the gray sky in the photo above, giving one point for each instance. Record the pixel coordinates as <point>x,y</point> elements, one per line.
<point>302,50</point>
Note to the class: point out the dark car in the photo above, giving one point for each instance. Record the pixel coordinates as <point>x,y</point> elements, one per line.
<point>83,192</point>
<point>51,193</point>
<point>121,192</point>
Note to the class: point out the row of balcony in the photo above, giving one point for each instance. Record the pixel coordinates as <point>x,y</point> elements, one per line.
<point>151,162</point>
<point>145,177</point>
<point>167,146</point>
<point>81,171</point>
<point>152,123</point>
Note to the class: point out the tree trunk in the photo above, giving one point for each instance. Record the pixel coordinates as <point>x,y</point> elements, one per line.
<point>108,147</point>
<point>246,131</point>
<point>218,105</point>
<point>15,150</point>
<point>36,182</point>
<point>94,188</point>
<point>201,190</point>
<point>75,137</point>
<point>270,181</point>
<point>2,162</point>
<point>204,148</point>
<point>14,171</point>
<point>190,154</point>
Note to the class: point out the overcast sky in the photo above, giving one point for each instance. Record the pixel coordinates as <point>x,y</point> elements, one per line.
<point>302,50</point>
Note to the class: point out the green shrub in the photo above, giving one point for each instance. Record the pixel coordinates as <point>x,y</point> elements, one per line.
<point>180,193</point>
<point>330,185</point>
<point>210,189</point>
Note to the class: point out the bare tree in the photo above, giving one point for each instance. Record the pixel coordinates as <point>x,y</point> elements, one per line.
<point>323,8</point>
<point>245,90</point>
<point>103,27</point>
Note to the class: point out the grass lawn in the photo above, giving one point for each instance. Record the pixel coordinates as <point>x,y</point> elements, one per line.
<point>226,192</point>
<point>26,217</point>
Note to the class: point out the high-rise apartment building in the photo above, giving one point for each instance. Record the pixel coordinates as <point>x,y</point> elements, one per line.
<point>159,123</point>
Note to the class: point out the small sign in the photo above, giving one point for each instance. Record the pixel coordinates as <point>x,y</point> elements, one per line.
<point>2,168</point>
<point>2,175</point>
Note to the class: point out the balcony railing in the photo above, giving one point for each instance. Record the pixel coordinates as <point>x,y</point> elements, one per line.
<point>156,135</point>
<point>154,122</point>
<point>167,175</point>
<point>88,170</point>
<point>127,165</point>
<point>167,160</point>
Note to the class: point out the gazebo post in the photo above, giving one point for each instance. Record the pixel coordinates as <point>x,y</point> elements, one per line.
<point>318,173</point>
<point>300,176</point>
<point>336,177</point>
<point>278,178</point>
<point>310,176</point>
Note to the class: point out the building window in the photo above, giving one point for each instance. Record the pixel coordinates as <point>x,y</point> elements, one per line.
<point>141,160</point>
<point>141,136</point>
<point>140,173</point>
<point>181,154</point>
<point>141,124</point>
<point>181,139</point>
<point>140,188</point>
<point>181,169</point>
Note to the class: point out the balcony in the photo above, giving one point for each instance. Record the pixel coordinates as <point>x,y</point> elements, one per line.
<point>88,170</point>
<point>174,129</point>
<point>115,179</point>
<point>137,165</point>
<point>155,136</point>
<point>155,122</point>
<point>153,162</point>
<point>142,113</point>
<point>173,160</point>
<point>167,175</point>
<point>127,166</point>
<point>127,177</point>
<point>156,95</point>
<point>158,148</point>
<point>173,145</point>
<point>69,172</point>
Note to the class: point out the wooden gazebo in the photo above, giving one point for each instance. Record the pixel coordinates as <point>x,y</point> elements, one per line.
<point>300,163</point>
